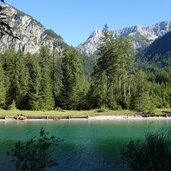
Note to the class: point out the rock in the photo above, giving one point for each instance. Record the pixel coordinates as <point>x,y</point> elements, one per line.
<point>141,36</point>
<point>32,35</point>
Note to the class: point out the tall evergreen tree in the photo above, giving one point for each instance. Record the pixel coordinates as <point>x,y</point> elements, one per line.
<point>124,68</point>
<point>117,63</point>
<point>47,99</point>
<point>57,77</point>
<point>17,77</point>
<point>73,81</point>
<point>2,87</point>
<point>34,98</point>
<point>97,96</point>
<point>141,100</point>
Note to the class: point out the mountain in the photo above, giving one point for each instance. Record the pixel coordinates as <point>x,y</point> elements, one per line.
<point>159,52</point>
<point>141,36</point>
<point>160,46</point>
<point>32,35</point>
<point>157,55</point>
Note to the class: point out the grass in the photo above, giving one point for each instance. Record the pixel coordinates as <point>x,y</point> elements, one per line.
<point>11,113</point>
<point>97,112</point>
<point>163,111</point>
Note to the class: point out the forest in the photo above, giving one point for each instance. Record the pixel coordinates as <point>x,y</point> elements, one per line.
<point>115,78</point>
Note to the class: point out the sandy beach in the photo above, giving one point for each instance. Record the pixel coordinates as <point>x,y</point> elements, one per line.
<point>128,118</point>
<point>94,118</point>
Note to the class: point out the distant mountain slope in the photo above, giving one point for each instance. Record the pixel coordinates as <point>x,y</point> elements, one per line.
<point>160,46</point>
<point>157,55</point>
<point>141,37</point>
<point>32,35</point>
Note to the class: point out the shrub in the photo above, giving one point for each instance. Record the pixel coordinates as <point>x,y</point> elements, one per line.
<point>152,154</point>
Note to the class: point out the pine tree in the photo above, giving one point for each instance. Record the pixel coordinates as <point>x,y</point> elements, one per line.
<point>141,100</point>
<point>47,99</point>
<point>34,82</point>
<point>73,81</point>
<point>57,77</point>
<point>124,68</point>
<point>2,87</point>
<point>17,78</point>
<point>117,63</point>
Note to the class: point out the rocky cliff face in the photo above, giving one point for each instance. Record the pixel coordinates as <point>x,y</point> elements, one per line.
<point>141,36</point>
<point>32,35</point>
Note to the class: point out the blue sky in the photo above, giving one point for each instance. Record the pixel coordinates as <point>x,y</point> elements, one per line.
<point>75,20</point>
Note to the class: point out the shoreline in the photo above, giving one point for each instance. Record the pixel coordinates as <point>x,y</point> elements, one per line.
<point>88,118</point>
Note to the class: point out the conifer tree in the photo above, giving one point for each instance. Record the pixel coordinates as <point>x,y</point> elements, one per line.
<point>141,100</point>
<point>17,78</point>
<point>34,82</point>
<point>116,62</point>
<point>57,77</point>
<point>2,87</point>
<point>47,99</point>
<point>73,81</point>
<point>97,96</point>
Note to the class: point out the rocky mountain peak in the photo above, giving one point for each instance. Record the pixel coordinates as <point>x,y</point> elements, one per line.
<point>138,28</point>
<point>141,36</point>
<point>32,35</point>
<point>91,44</point>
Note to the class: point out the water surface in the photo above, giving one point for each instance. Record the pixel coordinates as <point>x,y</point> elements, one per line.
<point>87,144</point>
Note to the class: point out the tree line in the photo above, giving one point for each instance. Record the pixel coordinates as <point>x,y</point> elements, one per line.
<point>46,81</point>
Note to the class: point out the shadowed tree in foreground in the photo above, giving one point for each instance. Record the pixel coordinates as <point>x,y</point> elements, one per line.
<point>36,153</point>
<point>152,154</point>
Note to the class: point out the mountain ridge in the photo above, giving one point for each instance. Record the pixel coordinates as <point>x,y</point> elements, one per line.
<point>31,33</point>
<point>160,46</point>
<point>141,36</point>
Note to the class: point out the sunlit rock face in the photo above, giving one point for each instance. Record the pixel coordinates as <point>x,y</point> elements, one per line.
<point>32,35</point>
<point>141,36</point>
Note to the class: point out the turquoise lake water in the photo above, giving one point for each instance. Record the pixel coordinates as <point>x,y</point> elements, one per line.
<point>88,145</point>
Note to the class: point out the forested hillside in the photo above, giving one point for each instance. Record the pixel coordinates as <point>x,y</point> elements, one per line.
<point>68,80</point>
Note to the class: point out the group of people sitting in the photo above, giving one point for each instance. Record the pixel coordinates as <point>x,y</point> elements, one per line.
<point>20,117</point>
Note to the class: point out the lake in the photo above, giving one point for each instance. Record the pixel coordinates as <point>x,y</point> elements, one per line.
<point>88,145</point>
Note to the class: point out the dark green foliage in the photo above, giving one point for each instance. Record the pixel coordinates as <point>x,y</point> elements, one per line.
<point>28,80</point>
<point>48,34</point>
<point>97,95</point>
<point>47,101</point>
<point>51,33</point>
<point>157,55</point>
<point>69,80</point>
<point>57,77</point>
<point>74,82</point>
<point>35,154</point>
<point>12,106</point>
<point>158,74</point>
<point>113,71</point>
<point>40,93</point>
<point>141,100</point>
<point>34,97</point>
<point>43,81</point>
<point>17,78</point>
<point>160,46</point>
<point>152,154</point>
<point>2,87</point>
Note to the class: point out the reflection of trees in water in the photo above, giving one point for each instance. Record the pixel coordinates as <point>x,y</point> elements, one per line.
<point>36,153</point>
<point>152,154</point>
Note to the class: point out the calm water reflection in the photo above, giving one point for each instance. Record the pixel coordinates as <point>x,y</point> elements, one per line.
<point>87,144</point>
